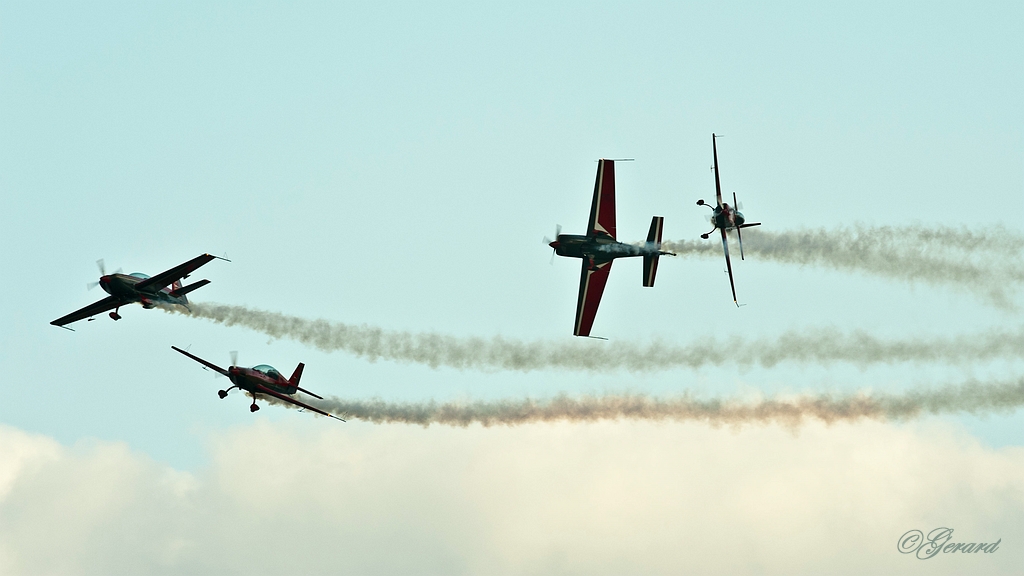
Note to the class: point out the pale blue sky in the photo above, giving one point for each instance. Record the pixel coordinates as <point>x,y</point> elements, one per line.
<point>398,165</point>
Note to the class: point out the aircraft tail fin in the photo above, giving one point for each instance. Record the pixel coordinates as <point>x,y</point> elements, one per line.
<point>294,380</point>
<point>179,290</point>
<point>653,241</point>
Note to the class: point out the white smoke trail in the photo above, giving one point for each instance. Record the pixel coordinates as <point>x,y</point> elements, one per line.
<point>989,264</point>
<point>818,346</point>
<point>971,398</point>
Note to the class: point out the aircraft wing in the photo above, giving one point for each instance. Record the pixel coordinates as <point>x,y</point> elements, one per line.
<point>177,273</point>
<point>728,264</point>
<point>201,361</point>
<point>602,210</point>
<point>591,288</point>
<point>107,303</point>
<point>718,181</point>
<point>286,398</point>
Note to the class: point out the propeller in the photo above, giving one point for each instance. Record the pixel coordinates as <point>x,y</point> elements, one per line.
<point>234,357</point>
<point>102,266</point>
<point>558,230</point>
<point>547,242</point>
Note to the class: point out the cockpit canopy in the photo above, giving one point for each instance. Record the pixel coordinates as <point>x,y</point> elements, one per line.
<point>268,370</point>
<point>139,275</point>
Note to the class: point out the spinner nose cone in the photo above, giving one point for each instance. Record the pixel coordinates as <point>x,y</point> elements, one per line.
<point>554,244</point>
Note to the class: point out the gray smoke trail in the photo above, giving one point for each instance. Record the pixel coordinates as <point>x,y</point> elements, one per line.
<point>988,264</point>
<point>821,346</point>
<point>972,398</point>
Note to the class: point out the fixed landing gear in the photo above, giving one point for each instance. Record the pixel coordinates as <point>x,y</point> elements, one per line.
<point>114,315</point>
<point>222,393</point>
<point>254,407</point>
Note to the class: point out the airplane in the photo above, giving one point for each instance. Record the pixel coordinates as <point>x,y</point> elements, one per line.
<point>124,289</point>
<point>599,247</point>
<point>262,379</point>
<point>725,218</point>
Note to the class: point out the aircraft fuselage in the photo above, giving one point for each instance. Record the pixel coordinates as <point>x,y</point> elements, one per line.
<point>122,287</point>
<point>252,380</point>
<point>600,248</point>
<point>726,218</point>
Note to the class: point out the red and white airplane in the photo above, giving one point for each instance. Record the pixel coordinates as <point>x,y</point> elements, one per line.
<point>599,247</point>
<point>262,379</point>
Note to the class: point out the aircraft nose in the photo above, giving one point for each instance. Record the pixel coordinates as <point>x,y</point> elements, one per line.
<point>554,244</point>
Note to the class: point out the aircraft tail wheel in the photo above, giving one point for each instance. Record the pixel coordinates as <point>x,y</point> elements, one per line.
<point>222,393</point>
<point>253,408</point>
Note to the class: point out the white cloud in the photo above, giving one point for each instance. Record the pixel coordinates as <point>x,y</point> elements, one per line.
<point>607,498</point>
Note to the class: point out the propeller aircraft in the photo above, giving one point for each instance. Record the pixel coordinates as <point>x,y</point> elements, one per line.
<point>164,288</point>
<point>262,379</point>
<point>726,218</point>
<point>598,247</point>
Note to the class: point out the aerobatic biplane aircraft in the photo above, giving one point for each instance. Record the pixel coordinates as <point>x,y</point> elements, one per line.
<point>164,288</point>
<point>262,379</point>
<point>599,247</point>
<point>725,218</point>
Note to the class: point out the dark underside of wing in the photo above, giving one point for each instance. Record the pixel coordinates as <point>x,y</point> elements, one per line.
<point>591,288</point>
<point>286,398</point>
<point>203,362</point>
<point>162,279</point>
<point>107,303</point>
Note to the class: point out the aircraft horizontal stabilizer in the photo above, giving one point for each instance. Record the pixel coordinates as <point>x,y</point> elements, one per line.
<point>651,260</point>
<point>650,269</point>
<point>186,289</point>
<point>301,389</point>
